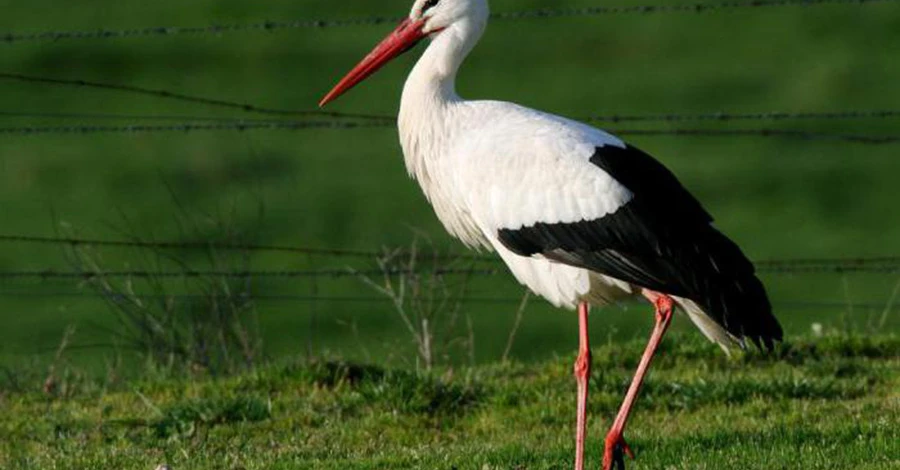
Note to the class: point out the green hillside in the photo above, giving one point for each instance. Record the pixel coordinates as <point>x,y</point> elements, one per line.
<point>335,188</point>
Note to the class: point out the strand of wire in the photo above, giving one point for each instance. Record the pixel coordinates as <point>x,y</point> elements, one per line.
<point>771,264</point>
<point>841,268</point>
<point>546,13</point>
<point>173,117</point>
<point>860,261</point>
<point>168,245</point>
<point>247,126</point>
<point>387,121</point>
<point>718,116</point>
<point>200,274</point>
<point>177,96</point>
<point>798,304</point>
<point>253,297</point>
<point>698,7</point>
<point>188,127</point>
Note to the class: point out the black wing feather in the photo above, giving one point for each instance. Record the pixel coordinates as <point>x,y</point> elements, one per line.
<point>662,240</point>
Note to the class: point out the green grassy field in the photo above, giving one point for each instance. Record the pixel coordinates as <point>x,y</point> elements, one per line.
<point>779,198</point>
<point>823,403</point>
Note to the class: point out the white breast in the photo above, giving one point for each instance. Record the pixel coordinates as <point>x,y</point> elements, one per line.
<point>493,165</point>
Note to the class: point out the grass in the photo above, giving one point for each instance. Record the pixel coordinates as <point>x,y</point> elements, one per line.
<point>819,403</point>
<point>829,403</point>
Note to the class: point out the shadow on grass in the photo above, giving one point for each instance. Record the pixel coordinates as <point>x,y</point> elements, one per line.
<point>182,419</point>
<point>401,391</point>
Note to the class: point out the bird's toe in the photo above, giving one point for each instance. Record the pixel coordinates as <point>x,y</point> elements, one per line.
<point>615,451</point>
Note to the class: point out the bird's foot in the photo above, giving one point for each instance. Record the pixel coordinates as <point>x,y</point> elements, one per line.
<point>615,450</point>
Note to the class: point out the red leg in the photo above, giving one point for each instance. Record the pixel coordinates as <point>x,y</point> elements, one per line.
<point>615,442</point>
<point>582,373</point>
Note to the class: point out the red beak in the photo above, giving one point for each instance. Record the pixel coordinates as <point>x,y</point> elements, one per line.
<point>402,39</point>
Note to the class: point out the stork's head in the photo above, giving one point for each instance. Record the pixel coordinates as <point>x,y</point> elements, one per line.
<point>427,19</point>
<point>438,15</point>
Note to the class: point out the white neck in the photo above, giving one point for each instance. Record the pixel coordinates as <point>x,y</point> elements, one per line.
<point>430,94</point>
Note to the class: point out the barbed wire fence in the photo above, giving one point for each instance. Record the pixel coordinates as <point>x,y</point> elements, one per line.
<point>135,292</point>
<point>796,266</point>
<point>351,121</point>
<point>249,117</point>
<point>389,121</point>
<point>363,299</point>
<point>240,126</point>
<point>802,264</point>
<point>146,296</point>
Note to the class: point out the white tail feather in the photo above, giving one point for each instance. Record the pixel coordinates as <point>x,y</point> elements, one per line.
<point>715,332</point>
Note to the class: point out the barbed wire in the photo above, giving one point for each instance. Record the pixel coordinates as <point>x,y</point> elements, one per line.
<point>764,133</point>
<point>166,94</point>
<point>388,121</point>
<point>873,265</point>
<point>831,269</point>
<point>187,127</point>
<point>238,274</point>
<point>790,304</point>
<point>251,297</point>
<point>348,121</point>
<point>724,116</point>
<point>698,7</point>
<point>269,26</point>
<point>247,126</point>
<point>776,263</point>
<point>142,117</point>
<point>168,245</point>
<point>718,116</point>
<point>765,264</point>
<point>854,266</point>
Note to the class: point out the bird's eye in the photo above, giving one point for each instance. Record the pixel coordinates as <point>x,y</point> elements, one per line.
<point>429,5</point>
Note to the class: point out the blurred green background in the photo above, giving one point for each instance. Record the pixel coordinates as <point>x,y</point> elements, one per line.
<point>779,198</point>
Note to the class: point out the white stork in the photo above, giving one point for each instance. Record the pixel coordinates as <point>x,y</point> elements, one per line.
<point>580,217</point>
